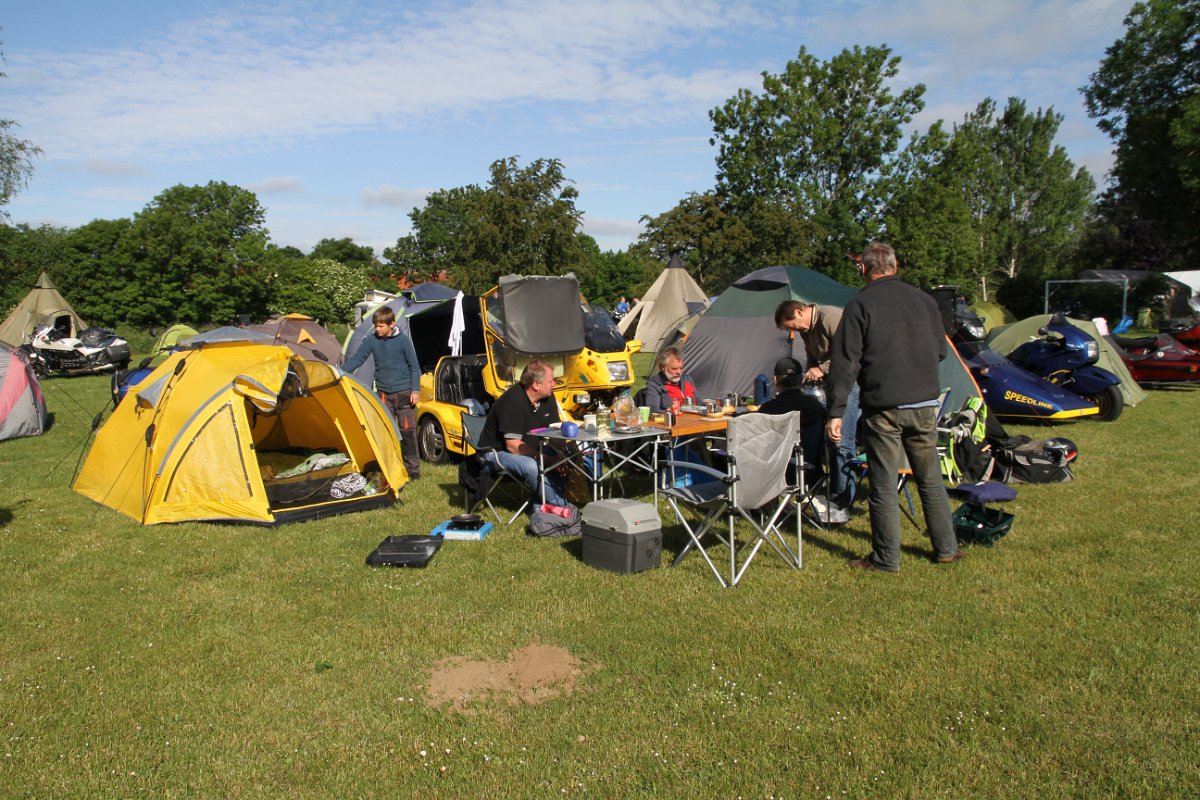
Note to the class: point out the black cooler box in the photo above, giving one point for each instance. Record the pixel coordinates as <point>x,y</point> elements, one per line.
<point>621,535</point>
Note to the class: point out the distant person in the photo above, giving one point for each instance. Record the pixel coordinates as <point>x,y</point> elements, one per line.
<point>890,342</point>
<point>397,379</point>
<point>816,325</point>
<point>525,406</point>
<point>670,387</point>
<point>622,306</point>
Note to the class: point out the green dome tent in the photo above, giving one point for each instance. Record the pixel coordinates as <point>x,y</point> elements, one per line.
<point>735,339</point>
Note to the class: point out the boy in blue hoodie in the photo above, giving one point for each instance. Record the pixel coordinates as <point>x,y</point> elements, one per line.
<point>397,379</point>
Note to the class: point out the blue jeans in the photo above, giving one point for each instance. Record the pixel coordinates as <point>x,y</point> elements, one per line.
<point>892,434</point>
<point>842,473</point>
<point>526,468</point>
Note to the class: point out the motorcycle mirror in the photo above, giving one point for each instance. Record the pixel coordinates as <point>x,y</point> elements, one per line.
<point>1043,331</point>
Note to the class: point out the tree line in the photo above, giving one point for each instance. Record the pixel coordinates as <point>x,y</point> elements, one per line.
<point>817,161</point>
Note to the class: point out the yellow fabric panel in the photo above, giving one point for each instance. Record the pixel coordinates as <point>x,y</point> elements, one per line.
<point>213,465</point>
<point>378,426</point>
<point>201,462</point>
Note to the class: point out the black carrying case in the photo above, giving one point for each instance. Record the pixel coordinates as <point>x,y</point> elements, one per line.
<point>405,551</point>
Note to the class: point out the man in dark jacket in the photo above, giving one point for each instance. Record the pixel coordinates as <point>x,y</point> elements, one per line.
<point>397,379</point>
<point>890,341</point>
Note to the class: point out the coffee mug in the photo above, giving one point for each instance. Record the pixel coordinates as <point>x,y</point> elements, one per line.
<point>589,421</point>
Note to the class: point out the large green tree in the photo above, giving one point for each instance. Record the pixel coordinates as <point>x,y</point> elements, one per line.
<point>197,255</point>
<point>524,222</point>
<point>1146,97</point>
<point>714,243</point>
<point>805,164</point>
<point>995,201</point>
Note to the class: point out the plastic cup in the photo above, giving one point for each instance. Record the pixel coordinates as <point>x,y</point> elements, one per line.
<point>589,421</point>
<point>644,413</point>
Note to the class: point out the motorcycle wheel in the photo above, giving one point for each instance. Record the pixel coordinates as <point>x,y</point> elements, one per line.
<point>1111,403</point>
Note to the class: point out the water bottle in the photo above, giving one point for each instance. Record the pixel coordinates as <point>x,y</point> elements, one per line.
<point>603,421</point>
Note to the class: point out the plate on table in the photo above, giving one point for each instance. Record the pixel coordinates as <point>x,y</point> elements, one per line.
<point>628,429</point>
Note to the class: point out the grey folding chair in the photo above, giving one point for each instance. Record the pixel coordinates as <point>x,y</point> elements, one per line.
<point>495,477</point>
<point>754,487</point>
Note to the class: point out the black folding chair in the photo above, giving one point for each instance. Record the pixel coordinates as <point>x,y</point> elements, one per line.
<point>495,478</point>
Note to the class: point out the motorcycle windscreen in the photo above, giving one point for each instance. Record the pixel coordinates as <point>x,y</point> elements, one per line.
<point>542,314</point>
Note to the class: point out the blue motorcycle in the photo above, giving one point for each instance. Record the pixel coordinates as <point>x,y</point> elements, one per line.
<point>1066,356</point>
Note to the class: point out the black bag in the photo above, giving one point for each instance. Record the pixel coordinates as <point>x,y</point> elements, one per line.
<point>1024,460</point>
<point>548,524</point>
<point>472,476</point>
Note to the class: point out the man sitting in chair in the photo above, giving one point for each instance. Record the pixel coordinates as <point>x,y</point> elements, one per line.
<point>794,395</point>
<point>526,405</point>
<point>670,387</point>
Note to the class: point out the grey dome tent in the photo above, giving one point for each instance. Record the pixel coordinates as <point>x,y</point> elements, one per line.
<point>669,300</point>
<point>22,407</point>
<point>736,340</point>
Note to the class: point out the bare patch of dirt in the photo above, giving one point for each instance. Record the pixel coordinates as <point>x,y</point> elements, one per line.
<point>533,674</point>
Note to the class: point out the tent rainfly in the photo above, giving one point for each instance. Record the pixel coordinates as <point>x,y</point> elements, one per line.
<point>244,432</point>
<point>22,407</point>
<point>669,300</point>
<point>42,306</point>
<point>736,340</point>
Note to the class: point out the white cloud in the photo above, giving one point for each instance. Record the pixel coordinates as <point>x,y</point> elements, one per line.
<point>98,166</point>
<point>232,83</point>
<point>394,197</point>
<point>279,185</point>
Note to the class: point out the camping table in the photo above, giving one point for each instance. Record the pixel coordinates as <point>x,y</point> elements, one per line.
<point>643,455</point>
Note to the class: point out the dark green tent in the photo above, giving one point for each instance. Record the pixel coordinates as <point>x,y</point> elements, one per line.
<point>735,339</point>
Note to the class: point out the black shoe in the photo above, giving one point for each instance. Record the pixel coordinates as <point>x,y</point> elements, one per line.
<point>867,565</point>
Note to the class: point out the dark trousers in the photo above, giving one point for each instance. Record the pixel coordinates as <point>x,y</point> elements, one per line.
<point>406,421</point>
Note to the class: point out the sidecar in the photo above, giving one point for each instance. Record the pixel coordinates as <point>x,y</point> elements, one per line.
<point>1016,395</point>
<point>1157,359</point>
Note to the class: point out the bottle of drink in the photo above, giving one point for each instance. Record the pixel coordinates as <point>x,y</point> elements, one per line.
<point>603,421</point>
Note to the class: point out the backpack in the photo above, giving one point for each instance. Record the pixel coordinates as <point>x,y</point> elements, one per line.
<point>968,431</point>
<point>555,521</point>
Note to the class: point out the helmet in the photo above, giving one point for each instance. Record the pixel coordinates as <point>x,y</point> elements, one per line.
<point>815,390</point>
<point>1062,449</point>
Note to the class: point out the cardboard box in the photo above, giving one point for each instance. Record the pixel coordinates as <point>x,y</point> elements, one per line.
<point>621,535</point>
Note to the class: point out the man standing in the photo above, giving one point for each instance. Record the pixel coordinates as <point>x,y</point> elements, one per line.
<point>669,386</point>
<point>816,326</point>
<point>890,341</point>
<point>525,406</point>
<point>397,379</point>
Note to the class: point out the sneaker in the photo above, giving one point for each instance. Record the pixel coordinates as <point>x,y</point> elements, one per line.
<point>835,516</point>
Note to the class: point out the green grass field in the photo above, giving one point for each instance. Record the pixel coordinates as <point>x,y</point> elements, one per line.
<point>217,661</point>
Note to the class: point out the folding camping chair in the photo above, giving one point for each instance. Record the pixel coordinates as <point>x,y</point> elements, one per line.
<point>754,487</point>
<point>494,476</point>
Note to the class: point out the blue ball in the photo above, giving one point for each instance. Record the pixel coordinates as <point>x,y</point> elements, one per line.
<point>570,429</point>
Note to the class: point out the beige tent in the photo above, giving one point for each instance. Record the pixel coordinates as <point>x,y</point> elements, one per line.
<point>668,301</point>
<point>42,306</point>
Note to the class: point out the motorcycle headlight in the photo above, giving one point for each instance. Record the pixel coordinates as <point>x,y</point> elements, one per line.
<point>975,329</point>
<point>581,399</point>
<point>618,370</point>
<point>1093,350</point>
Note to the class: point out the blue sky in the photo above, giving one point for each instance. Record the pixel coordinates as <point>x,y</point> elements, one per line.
<point>341,116</point>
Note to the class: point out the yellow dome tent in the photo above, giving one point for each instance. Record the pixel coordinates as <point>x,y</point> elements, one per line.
<point>245,432</point>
